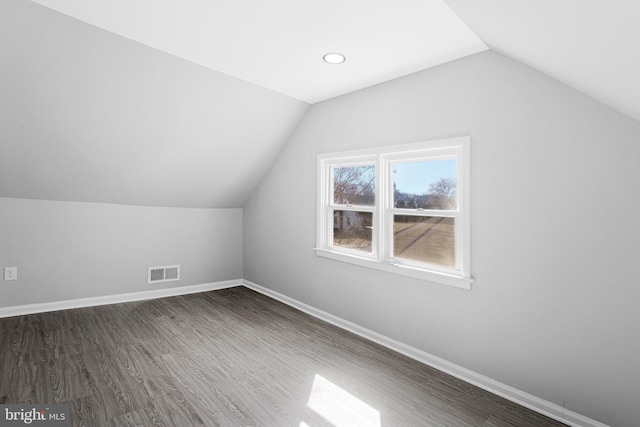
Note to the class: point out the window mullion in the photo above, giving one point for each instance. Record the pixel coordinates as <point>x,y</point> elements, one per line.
<point>386,228</point>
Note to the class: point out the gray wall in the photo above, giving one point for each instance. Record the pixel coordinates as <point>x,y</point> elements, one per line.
<point>69,250</point>
<point>554,231</point>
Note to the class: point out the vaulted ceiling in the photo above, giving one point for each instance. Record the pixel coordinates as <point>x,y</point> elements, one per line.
<point>279,44</point>
<point>173,103</point>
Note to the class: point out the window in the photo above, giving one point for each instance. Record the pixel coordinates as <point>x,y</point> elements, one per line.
<point>402,209</point>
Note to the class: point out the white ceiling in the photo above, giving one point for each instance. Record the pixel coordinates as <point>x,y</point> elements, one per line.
<point>279,44</point>
<point>590,45</point>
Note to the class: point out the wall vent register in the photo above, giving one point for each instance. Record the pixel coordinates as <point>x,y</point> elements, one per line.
<point>167,273</point>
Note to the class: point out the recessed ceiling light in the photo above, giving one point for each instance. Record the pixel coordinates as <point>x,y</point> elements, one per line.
<point>334,58</point>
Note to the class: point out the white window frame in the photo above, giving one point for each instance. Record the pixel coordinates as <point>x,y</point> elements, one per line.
<point>381,257</point>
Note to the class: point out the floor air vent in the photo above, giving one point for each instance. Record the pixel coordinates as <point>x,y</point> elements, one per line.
<point>167,273</point>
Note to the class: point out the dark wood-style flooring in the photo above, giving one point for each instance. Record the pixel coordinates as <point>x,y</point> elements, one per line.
<point>229,358</point>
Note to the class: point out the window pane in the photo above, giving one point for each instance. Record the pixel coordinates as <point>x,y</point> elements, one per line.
<point>428,239</point>
<point>354,185</point>
<point>428,184</point>
<point>353,230</point>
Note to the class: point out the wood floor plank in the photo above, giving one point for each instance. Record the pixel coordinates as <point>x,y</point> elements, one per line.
<point>229,358</point>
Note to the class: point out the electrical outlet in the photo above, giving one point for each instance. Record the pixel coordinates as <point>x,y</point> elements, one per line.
<point>11,273</point>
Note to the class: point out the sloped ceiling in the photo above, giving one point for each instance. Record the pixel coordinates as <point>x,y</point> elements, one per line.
<point>279,44</point>
<point>590,45</point>
<point>89,116</point>
<point>189,105</point>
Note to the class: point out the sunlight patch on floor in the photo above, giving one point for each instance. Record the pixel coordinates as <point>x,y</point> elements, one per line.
<point>339,407</point>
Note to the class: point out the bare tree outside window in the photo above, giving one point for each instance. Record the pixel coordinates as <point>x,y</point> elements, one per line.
<point>354,185</point>
<point>425,185</point>
<point>443,192</point>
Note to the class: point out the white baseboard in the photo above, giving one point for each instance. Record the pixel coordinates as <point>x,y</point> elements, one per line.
<point>114,299</point>
<point>520,397</point>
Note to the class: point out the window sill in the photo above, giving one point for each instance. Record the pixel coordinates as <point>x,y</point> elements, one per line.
<point>418,273</point>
